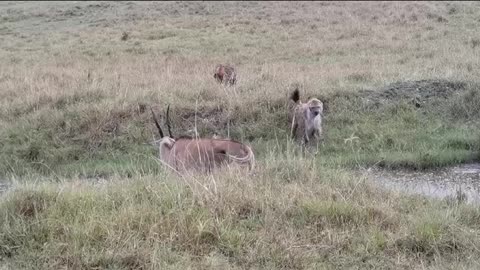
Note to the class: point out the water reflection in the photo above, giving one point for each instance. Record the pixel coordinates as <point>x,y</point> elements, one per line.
<point>459,182</point>
<point>3,186</point>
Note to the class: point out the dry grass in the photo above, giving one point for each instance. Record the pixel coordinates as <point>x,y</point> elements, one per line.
<point>78,77</point>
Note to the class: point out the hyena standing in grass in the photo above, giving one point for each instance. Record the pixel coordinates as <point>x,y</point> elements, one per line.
<point>225,74</point>
<point>306,119</point>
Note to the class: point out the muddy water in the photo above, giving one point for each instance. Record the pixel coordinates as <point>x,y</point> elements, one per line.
<point>3,186</point>
<point>460,182</point>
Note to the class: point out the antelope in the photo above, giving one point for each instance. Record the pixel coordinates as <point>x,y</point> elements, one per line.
<point>225,74</point>
<point>306,119</point>
<point>200,154</point>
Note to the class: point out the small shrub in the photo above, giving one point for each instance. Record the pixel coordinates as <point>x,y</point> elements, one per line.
<point>28,203</point>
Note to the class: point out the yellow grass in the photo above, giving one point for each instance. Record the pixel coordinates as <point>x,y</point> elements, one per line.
<point>76,83</point>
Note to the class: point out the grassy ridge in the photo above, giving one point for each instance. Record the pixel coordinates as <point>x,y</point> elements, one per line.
<point>400,87</point>
<point>358,132</point>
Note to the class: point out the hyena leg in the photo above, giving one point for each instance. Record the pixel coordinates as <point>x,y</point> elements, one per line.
<point>293,129</point>
<point>232,82</point>
<point>306,137</point>
<point>303,138</point>
<point>318,139</point>
<point>311,141</point>
<point>316,134</point>
<point>319,135</point>
<point>235,89</point>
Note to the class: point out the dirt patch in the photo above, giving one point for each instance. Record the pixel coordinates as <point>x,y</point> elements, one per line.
<point>417,91</point>
<point>209,120</point>
<point>29,203</point>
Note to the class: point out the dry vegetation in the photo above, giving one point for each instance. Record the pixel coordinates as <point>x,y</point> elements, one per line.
<point>400,85</point>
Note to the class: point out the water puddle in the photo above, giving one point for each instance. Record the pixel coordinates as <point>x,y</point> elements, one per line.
<point>461,182</point>
<point>3,186</point>
<point>458,182</point>
<point>6,185</point>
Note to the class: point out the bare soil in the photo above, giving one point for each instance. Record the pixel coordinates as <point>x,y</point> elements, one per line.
<point>417,91</point>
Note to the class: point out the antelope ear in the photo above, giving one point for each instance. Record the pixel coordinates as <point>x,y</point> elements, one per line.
<point>168,143</point>
<point>171,143</point>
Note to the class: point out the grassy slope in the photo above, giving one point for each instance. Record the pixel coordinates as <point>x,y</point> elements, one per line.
<point>72,105</point>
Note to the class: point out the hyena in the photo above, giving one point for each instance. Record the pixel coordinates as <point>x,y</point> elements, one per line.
<point>225,74</point>
<point>306,119</point>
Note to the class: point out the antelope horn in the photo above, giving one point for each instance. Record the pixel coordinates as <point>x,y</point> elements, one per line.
<point>157,124</point>
<point>168,122</point>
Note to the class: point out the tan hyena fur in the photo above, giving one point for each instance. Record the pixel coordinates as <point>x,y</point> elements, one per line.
<point>306,119</point>
<point>225,74</point>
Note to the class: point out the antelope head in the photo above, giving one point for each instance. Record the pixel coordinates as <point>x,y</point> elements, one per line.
<point>166,142</point>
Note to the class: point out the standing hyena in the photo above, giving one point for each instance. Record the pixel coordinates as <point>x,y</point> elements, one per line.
<point>306,119</point>
<point>225,74</point>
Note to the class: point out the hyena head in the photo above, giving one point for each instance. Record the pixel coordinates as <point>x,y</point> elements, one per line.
<point>219,73</point>
<point>225,73</point>
<point>315,107</point>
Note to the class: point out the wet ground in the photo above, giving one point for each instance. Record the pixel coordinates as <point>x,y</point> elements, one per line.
<point>3,186</point>
<point>460,182</point>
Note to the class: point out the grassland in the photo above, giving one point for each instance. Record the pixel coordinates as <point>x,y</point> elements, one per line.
<point>400,86</point>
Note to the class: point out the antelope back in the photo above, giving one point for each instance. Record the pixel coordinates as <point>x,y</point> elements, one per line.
<point>206,154</point>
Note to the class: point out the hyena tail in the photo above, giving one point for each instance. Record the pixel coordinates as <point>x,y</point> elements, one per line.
<point>295,95</point>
